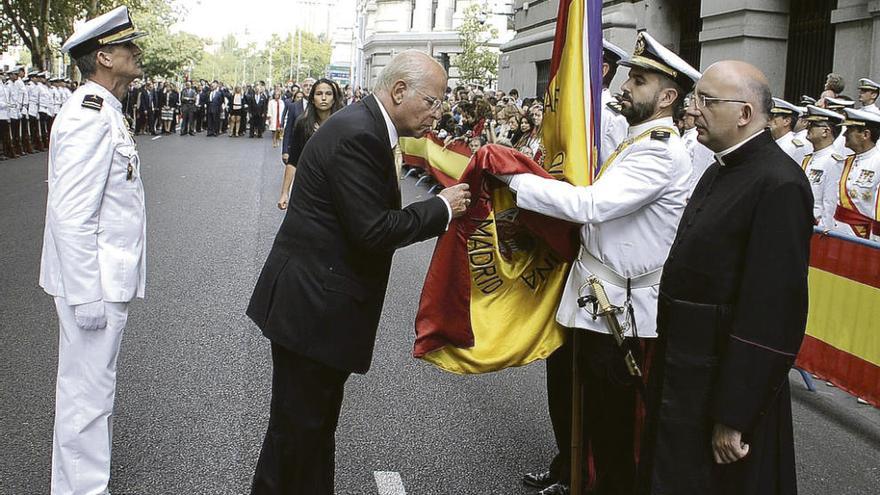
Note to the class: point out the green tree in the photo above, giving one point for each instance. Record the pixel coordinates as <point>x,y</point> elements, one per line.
<point>477,63</point>
<point>165,53</point>
<point>38,23</point>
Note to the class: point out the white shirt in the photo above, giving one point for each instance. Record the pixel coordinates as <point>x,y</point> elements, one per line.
<point>823,170</point>
<point>701,156</point>
<point>4,102</point>
<point>793,147</point>
<point>629,217</point>
<point>614,128</point>
<point>872,108</point>
<point>94,242</point>
<point>863,185</point>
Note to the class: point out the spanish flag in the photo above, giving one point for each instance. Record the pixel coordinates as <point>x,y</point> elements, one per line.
<point>491,293</point>
<point>842,344</point>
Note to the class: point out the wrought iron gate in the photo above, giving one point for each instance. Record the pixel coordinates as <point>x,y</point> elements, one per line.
<point>810,47</point>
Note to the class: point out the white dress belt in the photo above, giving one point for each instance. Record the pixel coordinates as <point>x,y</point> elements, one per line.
<point>607,275</point>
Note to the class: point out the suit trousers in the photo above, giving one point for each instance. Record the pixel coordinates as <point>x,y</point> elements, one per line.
<point>84,394</point>
<point>298,453</point>
<point>609,411</point>
<point>36,138</point>
<point>6,139</point>
<point>186,125</point>
<point>213,123</point>
<point>15,130</point>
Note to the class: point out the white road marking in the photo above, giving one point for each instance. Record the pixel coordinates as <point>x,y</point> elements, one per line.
<point>389,483</point>
<point>156,137</point>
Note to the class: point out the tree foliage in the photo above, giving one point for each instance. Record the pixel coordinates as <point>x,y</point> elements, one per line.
<point>41,25</point>
<point>270,62</point>
<point>476,63</point>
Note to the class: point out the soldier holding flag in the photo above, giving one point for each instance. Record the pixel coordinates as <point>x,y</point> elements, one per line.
<point>629,216</point>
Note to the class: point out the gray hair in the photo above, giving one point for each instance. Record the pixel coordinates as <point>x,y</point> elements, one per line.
<point>409,66</point>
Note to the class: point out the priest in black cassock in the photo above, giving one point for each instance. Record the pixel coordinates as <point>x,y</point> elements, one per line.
<point>733,306</point>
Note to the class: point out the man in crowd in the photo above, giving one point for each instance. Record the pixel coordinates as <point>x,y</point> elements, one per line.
<point>15,88</point>
<point>783,120</point>
<point>202,105</point>
<point>45,109</point>
<point>629,217</point>
<point>215,105</point>
<point>613,123</point>
<point>187,109</point>
<point>93,263</point>
<point>860,179</point>
<point>258,104</point>
<point>33,106</point>
<point>839,105</point>
<point>868,92</point>
<point>733,306</point>
<point>320,294</point>
<point>823,166</point>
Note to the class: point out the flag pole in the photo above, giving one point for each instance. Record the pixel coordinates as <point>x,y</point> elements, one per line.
<point>577,404</point>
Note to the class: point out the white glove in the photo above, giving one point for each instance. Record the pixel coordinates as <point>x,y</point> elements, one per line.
<point>90,316</point>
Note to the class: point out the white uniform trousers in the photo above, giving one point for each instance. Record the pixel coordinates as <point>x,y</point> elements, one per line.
<point>84,395</point>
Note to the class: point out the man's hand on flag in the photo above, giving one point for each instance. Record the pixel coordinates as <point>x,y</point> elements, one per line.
<point>458,197</point>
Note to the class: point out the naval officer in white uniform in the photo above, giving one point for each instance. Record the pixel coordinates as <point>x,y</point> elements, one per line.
<point>93,260</point>
<point>783,120</point>
<point>629,216</point>
<point>613,123</point>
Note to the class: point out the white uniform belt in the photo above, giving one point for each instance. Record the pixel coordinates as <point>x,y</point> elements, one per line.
<point>607,275</point>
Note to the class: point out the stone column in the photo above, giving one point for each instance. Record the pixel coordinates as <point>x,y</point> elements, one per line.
<point>857,32</point>
<point>422,16</point>
<point>443,18</point>
<point>752,30</point>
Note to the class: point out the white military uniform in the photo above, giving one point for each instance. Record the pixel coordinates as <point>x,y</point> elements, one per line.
<point>16,95</point>
<point>872,108</point>
<point>94,249</point>
<point>4,102</point>
<point>33,99</point>
<point>858,188</point>
<point>47,101</point>
<point>701,157</point>
<point>793,147</point>
<point>823,169</point>
<point>629,216</point>
<point>614,128</point>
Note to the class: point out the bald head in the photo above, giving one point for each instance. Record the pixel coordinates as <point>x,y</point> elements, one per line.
<point>411,66</point>
<point>733,102</point>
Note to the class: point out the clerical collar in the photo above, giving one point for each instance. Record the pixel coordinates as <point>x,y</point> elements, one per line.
<point>720,156</point>
<point>392,131</point>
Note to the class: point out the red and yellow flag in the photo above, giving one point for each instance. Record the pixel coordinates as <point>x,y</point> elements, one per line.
<point>490,297</point>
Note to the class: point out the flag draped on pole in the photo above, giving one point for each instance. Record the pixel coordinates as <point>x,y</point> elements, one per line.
<point>491,293</point>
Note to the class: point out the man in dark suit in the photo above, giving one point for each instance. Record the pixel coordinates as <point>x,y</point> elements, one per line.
<point>202,105</point>
<point>215,104</point>
<point>258,104</point>
<point>187,109</point>
<point>320,293</point>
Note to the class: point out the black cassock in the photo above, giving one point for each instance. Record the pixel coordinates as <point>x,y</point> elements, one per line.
<point>731,317</point>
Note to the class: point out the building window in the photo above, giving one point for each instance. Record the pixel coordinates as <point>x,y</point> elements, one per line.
<point>691,24</point>
<point>810,48</point>
<point>543,77</point>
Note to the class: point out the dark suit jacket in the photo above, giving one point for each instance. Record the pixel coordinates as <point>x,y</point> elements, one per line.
<point>321,291</point>
<point>292,111</point>
<point>216,103</point>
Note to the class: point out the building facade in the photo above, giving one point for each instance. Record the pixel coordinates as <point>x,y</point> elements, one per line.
<point>387,27</point>
<point>795,42</point>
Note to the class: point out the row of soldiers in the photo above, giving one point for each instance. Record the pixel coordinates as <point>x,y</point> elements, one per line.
<point>28,105</point>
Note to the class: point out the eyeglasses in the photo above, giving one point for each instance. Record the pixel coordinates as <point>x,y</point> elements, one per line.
<point>434,102</point>
<point>702,101</point>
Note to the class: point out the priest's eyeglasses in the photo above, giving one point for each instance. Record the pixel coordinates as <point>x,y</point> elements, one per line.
<point>703,101</point>
<point>434,102</point>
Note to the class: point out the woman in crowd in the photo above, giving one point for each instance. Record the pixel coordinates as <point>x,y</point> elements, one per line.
<point>528,140</point>
<point>325,99</point>
<point>274,112</point>
<point>168,100</point>
<point>235,112</point>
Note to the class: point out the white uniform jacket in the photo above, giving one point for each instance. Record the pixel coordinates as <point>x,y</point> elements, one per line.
<point>47,101</point>
<point>872,108</point>
<point>614,128</point>
<point>94,244</point>
<point>33,99</point>
<point>794,147</point>
<point>629,216</point>
<point>823,169</point>
<point>862,186</point>
<point>701,156</point>
<point>16,94</point>
<point>4,102</point>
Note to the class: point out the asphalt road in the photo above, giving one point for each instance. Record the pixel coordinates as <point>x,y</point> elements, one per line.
<point>194,372</point>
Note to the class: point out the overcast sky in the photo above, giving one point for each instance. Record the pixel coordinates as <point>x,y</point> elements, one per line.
<point>216,18</point>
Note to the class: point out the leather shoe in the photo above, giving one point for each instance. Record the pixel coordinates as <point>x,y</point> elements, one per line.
<point>538,480</point>
<point>555,489</point>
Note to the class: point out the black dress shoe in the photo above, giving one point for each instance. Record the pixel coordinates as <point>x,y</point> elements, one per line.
<point>555,489</point>
<point>538,480</point>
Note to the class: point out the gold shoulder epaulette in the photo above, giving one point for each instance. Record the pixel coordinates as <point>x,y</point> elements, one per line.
<point>797,142</point>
